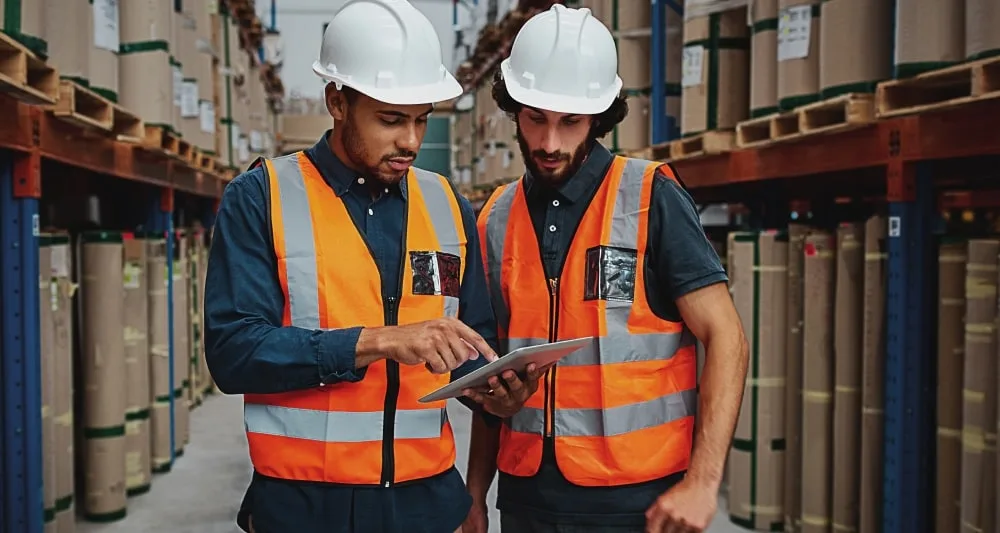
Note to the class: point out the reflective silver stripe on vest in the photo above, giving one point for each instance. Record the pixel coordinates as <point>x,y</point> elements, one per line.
<point>618,345</point>
<point>620,348</point>
<point>300,250</point>
<point>341,426</point>
<point>496,234</point>
<point>611,421</point>
<point>439,209</point>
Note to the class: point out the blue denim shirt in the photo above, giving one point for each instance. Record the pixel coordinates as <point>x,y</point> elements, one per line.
<point>248,350</point>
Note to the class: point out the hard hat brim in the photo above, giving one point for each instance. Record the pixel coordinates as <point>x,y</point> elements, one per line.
<point>558,103</point>
<point>446,89</point>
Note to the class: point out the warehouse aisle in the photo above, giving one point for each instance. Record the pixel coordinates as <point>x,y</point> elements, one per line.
<point>203,492</point>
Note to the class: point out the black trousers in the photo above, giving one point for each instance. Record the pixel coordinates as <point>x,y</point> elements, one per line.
<point>511,523</point>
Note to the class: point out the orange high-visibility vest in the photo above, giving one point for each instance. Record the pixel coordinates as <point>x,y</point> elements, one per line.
<point>372,432</point>
<point>622,410</point>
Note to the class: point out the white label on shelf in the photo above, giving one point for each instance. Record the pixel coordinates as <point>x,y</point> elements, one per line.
<point>106,33</point>
<point>36,226</point>
<point>507,156</point>
<point>244,149</point>
<point>206,110</point>
<point>481,165</point>
<point>189,99</point>
<point>256,141</point>
<point>236,136</point>
<point>693,65</point>
<point>794,28</point>
<point>60,260</point>
<point>178,85</point>
<point>131,274</point>
<point>895,227</point>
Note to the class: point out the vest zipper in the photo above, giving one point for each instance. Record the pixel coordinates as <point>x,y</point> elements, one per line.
<point>391,395</point>
<point>550,377</point>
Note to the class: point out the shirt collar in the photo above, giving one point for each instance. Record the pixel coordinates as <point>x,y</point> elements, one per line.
<point>339,176</point>
<point>580,184</point>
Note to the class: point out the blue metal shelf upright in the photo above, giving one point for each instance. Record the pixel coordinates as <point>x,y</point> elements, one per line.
<point>21,507</point>
<point>663,126</point>
<point>909,401</point>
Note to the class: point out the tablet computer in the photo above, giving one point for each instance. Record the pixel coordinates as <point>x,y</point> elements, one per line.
<point>517,360</point>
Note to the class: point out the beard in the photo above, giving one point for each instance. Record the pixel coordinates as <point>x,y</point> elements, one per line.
<point>358,154</point>
<point>550,178</point>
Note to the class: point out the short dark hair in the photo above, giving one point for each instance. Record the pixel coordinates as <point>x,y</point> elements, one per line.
<point>604,121</point>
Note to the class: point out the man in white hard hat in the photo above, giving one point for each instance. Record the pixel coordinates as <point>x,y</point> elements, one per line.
<point>343,286</point>
<point>591,244</point>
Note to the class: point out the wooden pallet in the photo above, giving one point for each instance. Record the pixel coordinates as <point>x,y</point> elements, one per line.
<point>205,162</point>
<point>960,84</point>
<point>24,76</point>
<point>160,138</point>
<point>768,129</point>
<point>836,114</point>
<point>82,107</point>
<point>710,142</point>
<point>185,150</point>
<point>127,125</point>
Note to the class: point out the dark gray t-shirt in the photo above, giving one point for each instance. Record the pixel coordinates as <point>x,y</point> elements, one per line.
<point>679,260</point>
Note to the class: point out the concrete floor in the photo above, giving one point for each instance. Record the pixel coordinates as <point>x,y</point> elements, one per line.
<point>203,491</point>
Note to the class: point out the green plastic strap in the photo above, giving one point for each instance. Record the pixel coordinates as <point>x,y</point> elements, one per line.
<point>714,36</point>
<point>799,100</point>
<point>145,46</point>
<point>846,88</point>
<point>139,490</point>
<point>765,25</point>
<point>104,433</point>
<point>49,515</point>
<point>908,70</point>
<point>12,17</point>
<point>112,516</point>
<point>64,503</point>
<point>985,54</point>
<point>190,80</point>
<point>141,414</point>
<point>763,111</point>
<point>82,82</point>
<point>614,15</point>
<point>106,93</point>
<point>229,94</point>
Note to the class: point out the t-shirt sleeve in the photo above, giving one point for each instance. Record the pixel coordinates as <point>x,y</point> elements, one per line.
<point>680,255</point>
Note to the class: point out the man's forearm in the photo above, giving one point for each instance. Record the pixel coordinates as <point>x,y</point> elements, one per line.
<point>721,394</point>
<point>483,448</point>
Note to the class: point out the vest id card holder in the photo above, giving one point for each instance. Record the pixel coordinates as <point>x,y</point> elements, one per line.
<point>610,274</point>
<point>436,273</point>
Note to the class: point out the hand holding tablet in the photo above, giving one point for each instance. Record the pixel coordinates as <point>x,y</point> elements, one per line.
<point>542,356</point>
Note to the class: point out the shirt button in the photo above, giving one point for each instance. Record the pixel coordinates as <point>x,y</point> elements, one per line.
<point>371,211</point>
<point>552,227</point>
<point>387,190</point>
<point>361,181</point>
<point>555,203</point>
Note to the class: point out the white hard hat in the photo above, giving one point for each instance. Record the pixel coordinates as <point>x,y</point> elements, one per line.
<point>388,50</point>
<point>563,60</point>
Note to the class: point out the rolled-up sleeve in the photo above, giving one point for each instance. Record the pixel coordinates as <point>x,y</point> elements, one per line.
<point>246,347</point>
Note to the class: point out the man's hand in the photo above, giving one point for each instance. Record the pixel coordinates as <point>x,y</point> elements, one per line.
<point>505,397</point>
<point>688,507</point>
<point>442,344</point>
<point>478,520</point>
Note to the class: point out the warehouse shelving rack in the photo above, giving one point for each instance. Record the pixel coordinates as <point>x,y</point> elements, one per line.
<point>914,155</point>
<point>30,136</point>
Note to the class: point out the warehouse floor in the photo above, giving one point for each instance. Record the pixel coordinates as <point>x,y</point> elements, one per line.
<point>203,492</point>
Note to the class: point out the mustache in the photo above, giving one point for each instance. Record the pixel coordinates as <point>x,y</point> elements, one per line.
<point>402,154</point>
<point>542,154</point>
